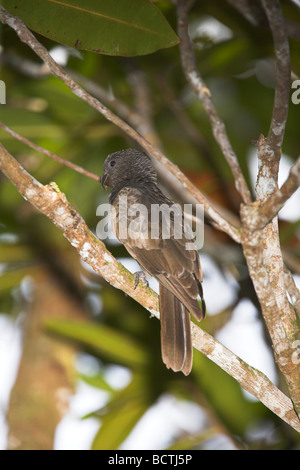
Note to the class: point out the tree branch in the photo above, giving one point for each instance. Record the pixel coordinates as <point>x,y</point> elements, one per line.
<point>267,271</point>
<point>198,85</point>
<point>253,12</point>
<point>37,71</point>
<point>283,73</point>
<point>269,149</point>
<point>49,154</point>
<point>53,204</point>
<point>263,213</point>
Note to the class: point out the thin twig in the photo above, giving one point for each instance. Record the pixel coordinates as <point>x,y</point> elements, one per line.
<point>26,36</point>
<point>25,66</point>
<point>36,70</point>
<point>135,117</point>
<point>253,12</point>
<point>53,204</point>
<point>108,98</point>
<point>137,79</point>
<point>203,93</point>
<point>46,152</point>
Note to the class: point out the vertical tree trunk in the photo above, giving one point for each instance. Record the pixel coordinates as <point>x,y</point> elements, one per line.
<point>39,398</point>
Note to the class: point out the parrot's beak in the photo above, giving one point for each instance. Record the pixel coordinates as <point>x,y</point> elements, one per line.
<point>105,181</point>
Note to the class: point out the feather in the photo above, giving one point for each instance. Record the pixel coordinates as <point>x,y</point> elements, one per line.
<point>152,229</point>
<point>176,344</point>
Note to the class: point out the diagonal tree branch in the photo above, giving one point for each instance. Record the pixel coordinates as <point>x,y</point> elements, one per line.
<point>54,205</point>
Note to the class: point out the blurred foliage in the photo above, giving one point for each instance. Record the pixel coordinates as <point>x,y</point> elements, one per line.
<point>239,70</point>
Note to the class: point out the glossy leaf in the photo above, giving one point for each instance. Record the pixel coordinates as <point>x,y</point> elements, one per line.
<point>122,28</point>
<point>122,414</point>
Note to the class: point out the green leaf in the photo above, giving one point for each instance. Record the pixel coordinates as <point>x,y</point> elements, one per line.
<point>102,339</point>
<point>117,425</point>
<point>14,253</point>
<point>97,381</point>
<point>118,27</point>
<point>122,413</point>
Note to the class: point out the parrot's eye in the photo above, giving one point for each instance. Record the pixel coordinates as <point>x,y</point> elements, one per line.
<point>112,163</point>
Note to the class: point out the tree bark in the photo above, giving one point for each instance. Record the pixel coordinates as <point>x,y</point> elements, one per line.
<point>40,396</point>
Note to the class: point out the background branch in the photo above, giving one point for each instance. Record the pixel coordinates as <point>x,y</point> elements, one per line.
<point>49,154</point>
<point>269,149</point>
<point>253,12</point>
